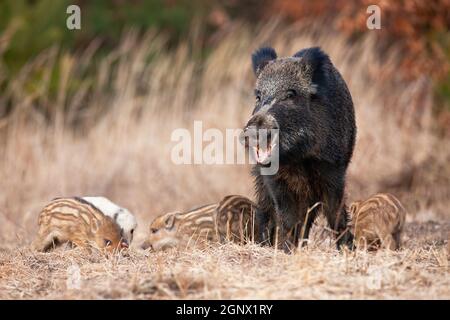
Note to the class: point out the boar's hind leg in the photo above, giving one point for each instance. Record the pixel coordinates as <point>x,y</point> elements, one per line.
<point>289,230</point>
<point>337,220</point>
<point>263,228</point>
<point>300,233</point>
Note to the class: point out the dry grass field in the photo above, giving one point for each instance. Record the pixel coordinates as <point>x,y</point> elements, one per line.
<point>419,271</point>
<point>115,141</point>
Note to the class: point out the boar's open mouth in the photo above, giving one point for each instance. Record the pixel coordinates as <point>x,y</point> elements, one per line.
<point>263,154</point>
<point>262,144</point>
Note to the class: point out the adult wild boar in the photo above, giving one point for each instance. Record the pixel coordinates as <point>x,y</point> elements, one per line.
<point>306,99</point>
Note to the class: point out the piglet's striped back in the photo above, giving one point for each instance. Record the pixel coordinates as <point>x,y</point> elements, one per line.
<point>77,221</point>
<point>198,221</point>
<point>379,220</point>
<point>235,219</point>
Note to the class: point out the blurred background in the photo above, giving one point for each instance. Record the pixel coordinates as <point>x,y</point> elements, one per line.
<point>90,111</point>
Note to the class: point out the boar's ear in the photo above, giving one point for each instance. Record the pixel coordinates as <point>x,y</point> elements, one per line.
<point>261,57</point>
<point>315,65</point>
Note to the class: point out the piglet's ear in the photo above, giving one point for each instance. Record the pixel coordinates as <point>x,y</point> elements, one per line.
<point>170,221</point>
<point>261,57</point>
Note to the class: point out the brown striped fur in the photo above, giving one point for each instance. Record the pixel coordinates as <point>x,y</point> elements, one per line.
<point>182,229</point>
<point>231,219</point>
<point>78,222</point>
<point>378,221</point>
<point>235,219</point>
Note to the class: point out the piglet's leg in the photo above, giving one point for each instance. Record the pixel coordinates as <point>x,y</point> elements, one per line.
<point>388,242</point>
<point>45,240</point>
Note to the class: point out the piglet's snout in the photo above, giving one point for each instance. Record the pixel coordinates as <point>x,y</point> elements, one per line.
<point>124,244</point>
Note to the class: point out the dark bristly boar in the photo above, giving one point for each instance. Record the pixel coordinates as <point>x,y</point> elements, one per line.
<point>307,100</point>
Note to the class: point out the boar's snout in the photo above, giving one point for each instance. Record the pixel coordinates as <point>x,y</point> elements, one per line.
<point>262,121</point>
<point>261,134</point>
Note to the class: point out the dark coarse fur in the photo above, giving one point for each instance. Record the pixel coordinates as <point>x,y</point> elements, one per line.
<point>306,98</point>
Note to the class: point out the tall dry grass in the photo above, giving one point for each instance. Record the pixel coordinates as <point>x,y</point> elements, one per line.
<point>111,136</point>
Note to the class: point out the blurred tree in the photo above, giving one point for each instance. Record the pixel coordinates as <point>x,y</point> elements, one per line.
<point>39,24</point>
<point>36,25</point>
<point>419,29</point>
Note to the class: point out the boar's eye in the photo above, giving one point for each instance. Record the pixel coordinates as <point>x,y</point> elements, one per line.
<point>107,242</point>
<point>257,96</point>
<point>291,93</point>
<point>153,230</point>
